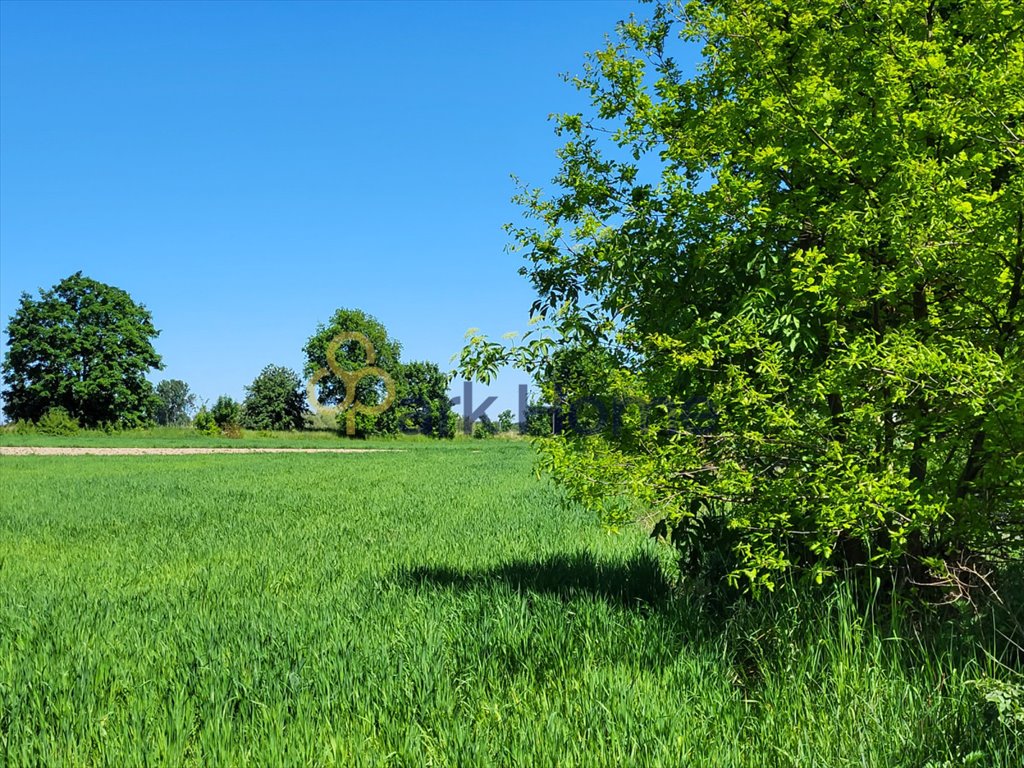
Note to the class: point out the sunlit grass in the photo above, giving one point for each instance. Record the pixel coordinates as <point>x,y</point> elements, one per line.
<point>436,606</point>
<point>186,437</point>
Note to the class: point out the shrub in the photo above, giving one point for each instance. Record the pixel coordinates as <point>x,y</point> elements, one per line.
<point>484,428</point>
<point>422,403</point>
<point>57,421</point>
<point>449,424</point>
<point>205,423</point>
<point>825,262</point>
<point>226,412</point>
<point>505,422</point>
<point>439,421</point>
<point>24,427</point>
<point>1006,699</point>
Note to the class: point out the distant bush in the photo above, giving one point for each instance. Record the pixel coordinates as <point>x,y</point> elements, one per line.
<point>23,427</point>
<point>449,424</point>
<point>319,422</point>
<point>205,423</point>
<point>174,403</point>
<point>274,400</point>
<point>484,428</point>
<point>57,421</point>
<point>440,421</point>
<point>505,422</point>
<point>226,412</point>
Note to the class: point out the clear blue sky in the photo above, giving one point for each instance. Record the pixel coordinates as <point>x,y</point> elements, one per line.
<point>243,169</point>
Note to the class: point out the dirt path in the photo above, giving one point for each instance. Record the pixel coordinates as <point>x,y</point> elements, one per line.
<point>50,451</point>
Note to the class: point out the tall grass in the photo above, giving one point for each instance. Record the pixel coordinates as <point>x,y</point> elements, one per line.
<point>187,437</point>
<point>436,606</point>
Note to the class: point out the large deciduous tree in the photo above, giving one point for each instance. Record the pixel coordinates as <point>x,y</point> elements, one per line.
<point>83,346</point>
<point>818,233</point>
<point>351,358</point>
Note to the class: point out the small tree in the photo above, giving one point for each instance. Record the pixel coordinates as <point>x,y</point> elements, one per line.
<point>204,422</point>
<point>175,404</point>
<point>505,421</point>
<point>274,400</point>
<point>226,412</point>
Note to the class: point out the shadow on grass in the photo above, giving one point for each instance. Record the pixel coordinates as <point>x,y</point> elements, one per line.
<point>634,583</point>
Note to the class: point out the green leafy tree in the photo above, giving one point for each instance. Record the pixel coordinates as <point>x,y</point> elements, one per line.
<point>226,412</point>
<point>574,380</point>
<point>274,400</point>
<point>83,346</point>
<point>204,422</point>
<point>423,404</point>
<point>819,235</point>
<point>175,404</point>
<point>537,420</point>
<point>505,421</point>
<point>351,357</point>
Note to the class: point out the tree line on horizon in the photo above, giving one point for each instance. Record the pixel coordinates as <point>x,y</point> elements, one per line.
<point>79,354</point>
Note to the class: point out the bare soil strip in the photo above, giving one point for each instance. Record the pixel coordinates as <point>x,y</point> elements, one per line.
<point>54,451</point>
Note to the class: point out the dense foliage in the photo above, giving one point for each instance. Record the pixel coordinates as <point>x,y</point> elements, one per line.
<point>204,422</point>
<point>226,412</point>
<point>175,403</point>
<point>484,427</point>
<point>422,403</point>
<point>815,240</point>
<point>276,399</point>
<point>57,422</point>
<point>351,357</point>
<point>83,346</point>
<point>506,421</point>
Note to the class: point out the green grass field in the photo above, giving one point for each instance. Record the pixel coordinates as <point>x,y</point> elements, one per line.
<point>186,437</point>
<point>435,606</point>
